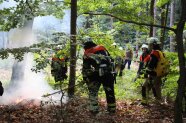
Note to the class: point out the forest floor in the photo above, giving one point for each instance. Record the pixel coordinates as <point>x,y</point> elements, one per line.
<point>76,111</point>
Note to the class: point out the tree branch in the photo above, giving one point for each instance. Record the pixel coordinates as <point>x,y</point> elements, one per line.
<point>130,21</point>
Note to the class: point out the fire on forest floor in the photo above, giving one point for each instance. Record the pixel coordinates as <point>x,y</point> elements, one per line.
<point>76,111</point>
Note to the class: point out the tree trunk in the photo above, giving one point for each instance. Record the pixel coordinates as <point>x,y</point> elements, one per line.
<point>71,86</point>
<point>152,17</point>
<point>182,78</point>
<point>111,22</point>
<point>163,23</point>
<point>172,43</point>
<point>155,12</point>
<point>19,38</point>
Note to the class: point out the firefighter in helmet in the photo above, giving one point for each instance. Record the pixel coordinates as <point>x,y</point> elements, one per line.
<point>144,60</point>
<point>96,71</point>
<point>59,65</point>
<point>154,47</point>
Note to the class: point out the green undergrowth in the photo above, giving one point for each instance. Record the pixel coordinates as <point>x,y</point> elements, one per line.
<point>125,88</point>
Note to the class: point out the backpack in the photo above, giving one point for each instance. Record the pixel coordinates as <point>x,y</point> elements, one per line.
<point>104,63</point>
<point>163,66</point>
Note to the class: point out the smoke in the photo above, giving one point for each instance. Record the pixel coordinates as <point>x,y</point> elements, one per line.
<point>21,37</point>
<point>30,85</point>
<point>49,23</point>
<point>24,84</point>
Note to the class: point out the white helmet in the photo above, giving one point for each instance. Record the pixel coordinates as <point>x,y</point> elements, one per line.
<point>120,48</point>
<point>153,40</point>
<point>144,46</point>
<point>114,44</point>
<point>59,47</point>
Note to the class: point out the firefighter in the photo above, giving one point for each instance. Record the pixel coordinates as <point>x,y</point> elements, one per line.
<point>144,59</point>
<point>118,59</point>
<point>1,89</point>
<point>59,66</point>
<point>127,60</point>
<point>154,45</point>
<point>96,71</point>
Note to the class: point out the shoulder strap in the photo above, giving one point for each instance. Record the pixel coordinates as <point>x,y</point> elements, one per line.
<point>161,55</point>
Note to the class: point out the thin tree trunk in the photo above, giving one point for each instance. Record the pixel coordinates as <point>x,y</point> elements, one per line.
<point>152,17</point>
<point>4,39</point>
<point>147,9</point>
<point>155,12</point>
<point>182,78</point>
<point>172,46</point>
<point>163,23</point>
<point>111,22</point>
<point>71,86</point>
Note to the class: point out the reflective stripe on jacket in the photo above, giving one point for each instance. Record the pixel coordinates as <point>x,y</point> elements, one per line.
<point>58,59</point>
<point>93,50</point>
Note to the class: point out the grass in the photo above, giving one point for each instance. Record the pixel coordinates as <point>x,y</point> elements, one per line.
<point>125,88</point>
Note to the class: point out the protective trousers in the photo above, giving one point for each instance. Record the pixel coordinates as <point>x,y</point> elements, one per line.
<point>153,83</point>
<point>157,82</point>
<point>108,85</point>
<point>145,90</point>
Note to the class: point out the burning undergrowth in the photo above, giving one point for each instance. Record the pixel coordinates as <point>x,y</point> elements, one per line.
<point>27,112</point>
<point>76,111</point>
<point>31,110</point>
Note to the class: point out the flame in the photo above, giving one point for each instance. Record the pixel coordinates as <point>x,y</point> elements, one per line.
<point>20,99</point>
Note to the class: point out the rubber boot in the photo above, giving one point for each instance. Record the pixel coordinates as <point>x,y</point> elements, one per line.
<point>144,96</point>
